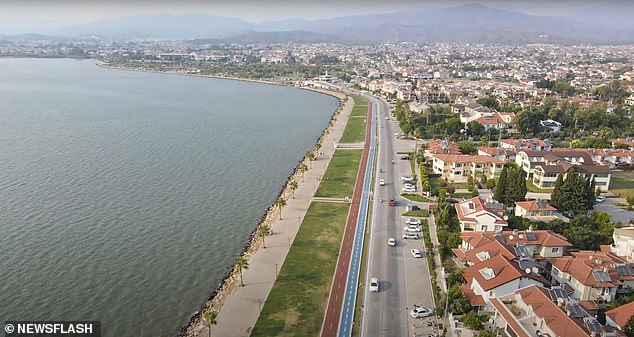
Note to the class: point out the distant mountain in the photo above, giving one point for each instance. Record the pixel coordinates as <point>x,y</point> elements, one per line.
<point>295,36</point>
<point>474,23</point>
<point>167,26</point>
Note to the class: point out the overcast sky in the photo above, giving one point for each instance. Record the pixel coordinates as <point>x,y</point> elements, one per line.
<point>24,16</point>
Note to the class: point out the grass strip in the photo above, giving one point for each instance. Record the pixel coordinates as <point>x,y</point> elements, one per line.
<point>354,131</point>
<point>338,182</point>
<point>415,197</point>
<point>298,299</point>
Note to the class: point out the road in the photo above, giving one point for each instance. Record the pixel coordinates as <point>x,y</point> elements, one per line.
<point>404,280</point>
<point>345,273</point>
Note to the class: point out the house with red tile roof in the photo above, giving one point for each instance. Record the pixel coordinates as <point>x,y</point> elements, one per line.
<point>458,167</point>
<point>619,316</point>
<point>595,278</point>
<point>526,144</point>
<point>497,152</point>
<point>535,311</point>
<point>498,276</point>
<point>441,146</point>
<point>478,215</point>
<point>535,210</point>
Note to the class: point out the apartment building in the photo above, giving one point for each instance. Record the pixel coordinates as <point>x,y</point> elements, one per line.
<point>535,311</point>
<point>458,167</point>
<point>594,278</point>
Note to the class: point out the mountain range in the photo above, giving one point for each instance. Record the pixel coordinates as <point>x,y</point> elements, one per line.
<point>471,23</point>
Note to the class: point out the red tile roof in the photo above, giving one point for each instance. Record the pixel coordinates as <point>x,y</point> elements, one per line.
<point>534,206</point>
<point>474,300</point>
<point>466,158</point>
<point>621,314</point>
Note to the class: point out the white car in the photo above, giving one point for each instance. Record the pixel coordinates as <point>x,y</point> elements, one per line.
<point>374,285</point>
<point>391,242</point>
<point>412,228</point>
<point>408,185</point>
<point>387,118</point>
<point>420,311</point>
<point>382,182</point>
<point>413,221</point>
<point>406,178</point>
<point>408,190</point>
<point>413,236</point>
<point>599,199</point>
<point>416,253</point>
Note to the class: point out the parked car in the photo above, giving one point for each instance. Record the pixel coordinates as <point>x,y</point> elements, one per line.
<point>408,185</point>
<point>391,242</point>
<point>412,228</point>
<point>406,178</point>
<point>415,253</point>
<point>599,199</point>
<point>387,118</point>
<point>413,236</point>
<point>408,189</point>
<point>374,285</point>
<point>420,311</point>
<point>404,157</point>
<point>413,221</point>
<point>392,202</point>
<point>382,182</point>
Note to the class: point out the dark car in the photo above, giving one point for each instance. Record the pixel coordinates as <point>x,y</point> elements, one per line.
<point>404,157</point>
<point>392,202</point>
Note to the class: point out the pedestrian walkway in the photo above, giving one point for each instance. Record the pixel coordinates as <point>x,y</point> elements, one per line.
<point>242,307</point>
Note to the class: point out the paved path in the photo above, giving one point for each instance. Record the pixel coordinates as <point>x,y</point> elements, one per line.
<point>241,309</point>
<point>338,286</point>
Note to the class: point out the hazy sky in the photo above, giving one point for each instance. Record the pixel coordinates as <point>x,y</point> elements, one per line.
<point>22,16</point>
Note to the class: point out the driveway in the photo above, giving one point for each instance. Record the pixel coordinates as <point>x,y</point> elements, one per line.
<point>617,214</point>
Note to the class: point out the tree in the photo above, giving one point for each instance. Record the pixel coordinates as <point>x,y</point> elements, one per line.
<point>242,264</point>
<point>293,186</point>
<point>472,321</point>
<point>470,184</point>
<point>310,155</point>
<point>303,168</point>
<point>490,183</point>
<point>630,201</point>
<point>489,102</point>
<point>279,203</point>
<point>262,231</point>
<point>556,195</point>
<point>467,147</point>
<point>502,185</point>
<point>209,317</point>
<point>476,129</point>
<point>629,327</point>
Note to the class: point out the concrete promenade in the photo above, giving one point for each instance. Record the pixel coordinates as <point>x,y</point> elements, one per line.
<point>241,307</point>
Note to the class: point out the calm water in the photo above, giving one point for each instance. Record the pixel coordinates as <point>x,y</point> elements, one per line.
<point>124,197</point>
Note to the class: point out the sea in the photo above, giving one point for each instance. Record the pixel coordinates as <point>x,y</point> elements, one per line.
<point>126,196</point>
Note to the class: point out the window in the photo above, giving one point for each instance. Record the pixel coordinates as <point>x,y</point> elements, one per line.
<point>555,250</point>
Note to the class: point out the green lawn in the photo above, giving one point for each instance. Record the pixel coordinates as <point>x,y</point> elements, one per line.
<point>458,185</point>
<point>434,181</point>
<point>338,182</point>
<point>354,131</point>
<point>358,100</point>
<point>532,188</point>
<point>421,213</point>
<point>622,183</point>
<point>298,299</point>
<point>415,197</point>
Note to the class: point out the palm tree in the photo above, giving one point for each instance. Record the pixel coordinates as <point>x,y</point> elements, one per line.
<point>280,202</point>
<point>293,186</point>
<point>209,317</point>
<point>303,168</point>
<point>263,231</point>
<point>242,264</point>
<point>309,155</point>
